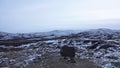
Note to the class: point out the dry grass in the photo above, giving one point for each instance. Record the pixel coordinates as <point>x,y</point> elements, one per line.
<point>55,61</point>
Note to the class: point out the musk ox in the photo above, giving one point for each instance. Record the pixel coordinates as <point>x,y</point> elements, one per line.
<point>67,52</point>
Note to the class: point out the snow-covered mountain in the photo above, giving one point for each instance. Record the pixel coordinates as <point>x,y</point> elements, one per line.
<point>100,34</point>
<point>93,33</point>
<point>55,33</point>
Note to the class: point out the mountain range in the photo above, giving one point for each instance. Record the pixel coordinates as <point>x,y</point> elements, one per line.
<point>92,33</point>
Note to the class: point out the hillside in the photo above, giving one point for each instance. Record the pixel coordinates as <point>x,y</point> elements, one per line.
<point>98,48</point>
<point>93,33</point>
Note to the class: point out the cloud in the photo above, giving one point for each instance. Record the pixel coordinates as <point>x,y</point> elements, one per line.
<point>57,14</point>
<point>33,7</point>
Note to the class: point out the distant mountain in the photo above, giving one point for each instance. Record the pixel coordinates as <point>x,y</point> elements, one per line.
<point>55,33</point>
<point>102,33</point>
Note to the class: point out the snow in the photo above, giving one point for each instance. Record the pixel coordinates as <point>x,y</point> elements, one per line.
<point>51,34</point>
<point>31,58</point>
<point>27,45</point>
<point>102,57</point>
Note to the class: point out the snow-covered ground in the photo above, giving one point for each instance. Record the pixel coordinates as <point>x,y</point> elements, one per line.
<point>104,57</point>
<point>105,53</point>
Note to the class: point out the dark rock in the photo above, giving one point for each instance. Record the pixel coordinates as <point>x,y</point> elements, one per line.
<point>116,64</point>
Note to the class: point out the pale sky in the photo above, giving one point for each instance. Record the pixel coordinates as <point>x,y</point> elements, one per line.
<point>46,15</point>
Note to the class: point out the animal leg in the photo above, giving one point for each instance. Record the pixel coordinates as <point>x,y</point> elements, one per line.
<point>72,60</point>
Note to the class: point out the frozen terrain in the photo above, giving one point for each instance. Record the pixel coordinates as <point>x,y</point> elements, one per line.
<point>100,48</point>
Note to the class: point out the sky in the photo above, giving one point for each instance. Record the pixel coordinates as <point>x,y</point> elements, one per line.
<point>19,16</point>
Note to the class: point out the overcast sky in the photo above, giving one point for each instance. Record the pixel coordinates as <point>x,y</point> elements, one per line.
<point>46,15</point>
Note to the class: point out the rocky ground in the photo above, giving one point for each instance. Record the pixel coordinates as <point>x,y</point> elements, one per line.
<point>55,61</point>
<point>45,55</point>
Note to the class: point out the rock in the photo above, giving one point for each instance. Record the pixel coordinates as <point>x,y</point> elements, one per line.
<point>4,63</point>
<point>19,64</point>
<point>112,57</point>
<point>116,64</point>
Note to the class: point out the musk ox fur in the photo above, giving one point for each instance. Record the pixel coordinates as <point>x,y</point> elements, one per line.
<point>67,52</point>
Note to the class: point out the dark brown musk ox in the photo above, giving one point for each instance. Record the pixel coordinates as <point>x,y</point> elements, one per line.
<point>67,52</point>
